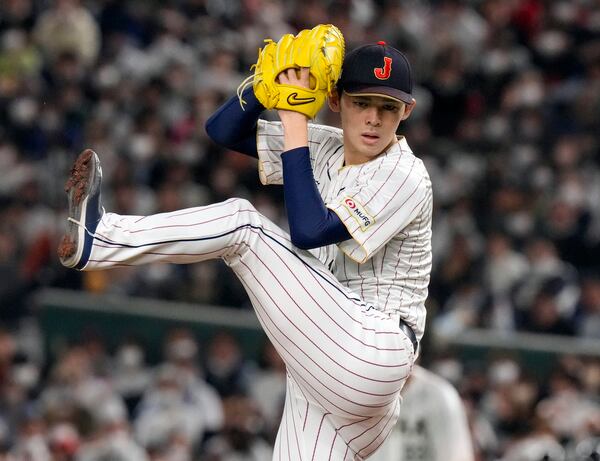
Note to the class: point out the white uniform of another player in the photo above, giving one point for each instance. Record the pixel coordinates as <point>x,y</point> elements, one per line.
<point>433,423</point>
<point>333,314</point>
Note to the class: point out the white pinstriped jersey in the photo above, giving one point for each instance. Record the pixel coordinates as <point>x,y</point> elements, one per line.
<point>386,204</point>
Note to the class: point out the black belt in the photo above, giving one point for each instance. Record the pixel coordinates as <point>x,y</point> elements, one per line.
<point>406,328</point>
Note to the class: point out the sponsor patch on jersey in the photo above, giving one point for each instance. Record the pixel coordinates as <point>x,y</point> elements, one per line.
<point>359,213</point>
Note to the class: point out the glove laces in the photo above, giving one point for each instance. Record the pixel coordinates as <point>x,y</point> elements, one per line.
<point>246,83</point>
<point>249,81</point>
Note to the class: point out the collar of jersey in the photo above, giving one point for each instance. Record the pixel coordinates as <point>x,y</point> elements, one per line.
<point>400,139</point>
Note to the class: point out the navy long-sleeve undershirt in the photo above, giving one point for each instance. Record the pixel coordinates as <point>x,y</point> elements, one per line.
<point>235,128</point>
<point>315,225</point>
<point>312,224</point>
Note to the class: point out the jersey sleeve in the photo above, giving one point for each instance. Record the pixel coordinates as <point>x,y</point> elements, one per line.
<point>269,146</point>
<point>381,204</point>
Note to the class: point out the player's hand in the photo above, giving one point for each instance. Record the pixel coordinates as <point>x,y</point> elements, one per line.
<point>296,77</point>
<point>320,50</point>
<point>295,124</point>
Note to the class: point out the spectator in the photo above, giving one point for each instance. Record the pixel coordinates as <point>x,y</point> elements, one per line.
<point>588,308</point>
<point>68,27</point>
<point>544,315</point>
<point>179,409</point>
<point>167,413</point>
<point>130,374</point>
<point>225,367</point>
<point>111,437</point>
<point>240,440</point>
<point>267,388</point>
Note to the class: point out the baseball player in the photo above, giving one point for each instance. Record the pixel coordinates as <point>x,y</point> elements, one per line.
<point>341,297</point>
<point>433,423</point>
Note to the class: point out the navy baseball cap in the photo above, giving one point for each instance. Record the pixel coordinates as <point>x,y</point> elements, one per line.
<point>377,70</point>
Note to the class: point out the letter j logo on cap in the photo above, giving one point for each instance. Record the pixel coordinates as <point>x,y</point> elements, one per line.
<point>383,73</point>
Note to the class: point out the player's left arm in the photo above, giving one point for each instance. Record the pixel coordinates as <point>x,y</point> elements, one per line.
<point>382,204</point>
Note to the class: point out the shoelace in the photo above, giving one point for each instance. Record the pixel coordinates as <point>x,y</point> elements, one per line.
<point>79,224</point>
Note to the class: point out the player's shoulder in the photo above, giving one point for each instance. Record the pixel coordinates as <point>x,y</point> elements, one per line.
<point>402,164</point>
<point>321,138</point>
<point>321,133</point>
<point>407,156</point>
<point>326,130</point>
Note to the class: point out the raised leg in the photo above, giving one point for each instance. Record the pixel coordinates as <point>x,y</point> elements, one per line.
<point>346,361</point>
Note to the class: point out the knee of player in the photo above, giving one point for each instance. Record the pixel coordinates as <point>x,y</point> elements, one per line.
<point>244,211</point>
<point>243,205</point>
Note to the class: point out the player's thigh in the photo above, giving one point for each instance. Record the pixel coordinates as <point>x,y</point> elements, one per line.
<point>342,352</point>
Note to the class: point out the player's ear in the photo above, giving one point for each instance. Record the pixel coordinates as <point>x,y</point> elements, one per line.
<point>408,108</point>
<point>334,100</point>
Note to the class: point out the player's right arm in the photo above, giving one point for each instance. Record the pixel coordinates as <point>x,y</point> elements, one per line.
<point>312,225</point>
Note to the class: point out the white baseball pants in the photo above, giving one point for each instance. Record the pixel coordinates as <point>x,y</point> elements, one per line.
<point>346,361</point>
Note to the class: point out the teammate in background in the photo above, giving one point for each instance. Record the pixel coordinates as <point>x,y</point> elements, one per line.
<point>433,423</point>
<point>342,297</point>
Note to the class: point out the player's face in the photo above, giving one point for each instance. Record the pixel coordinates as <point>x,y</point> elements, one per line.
<point>369,124</point>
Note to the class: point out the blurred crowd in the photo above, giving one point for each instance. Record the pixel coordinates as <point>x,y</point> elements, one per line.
<point>209,402</point>
<point>92,404</point>
<point>507,116</point>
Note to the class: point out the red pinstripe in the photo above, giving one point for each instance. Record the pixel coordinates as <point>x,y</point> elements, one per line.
<point>365,183</point>
<point>305,416</point>
<point>420,259</point>
<point>325,163</point>
<point>158,253</point>
<point>113,263</point>
<point>287,435</point>
<point>338,430</point>
<point>412,253</point>
<point>348,314</point>
<point>390,412</point>
<point>177,214</point>
<point>310,367</point>
<point>392,170</point>
<point>201,223</point>
<point>399,209</point>
<point>318,433</point>
<point>294,424</point>
<point>293,273</point>
<point>293,356</point>
<point>387,425</point>
<point>287,292</point>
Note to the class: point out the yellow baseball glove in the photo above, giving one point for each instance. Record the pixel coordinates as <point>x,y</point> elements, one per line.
<point>321,49</point>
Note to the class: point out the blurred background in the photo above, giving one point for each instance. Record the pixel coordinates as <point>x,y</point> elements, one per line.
<point>139,364</point>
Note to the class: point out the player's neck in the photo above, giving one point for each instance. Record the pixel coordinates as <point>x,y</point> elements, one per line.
<point>356,158</point>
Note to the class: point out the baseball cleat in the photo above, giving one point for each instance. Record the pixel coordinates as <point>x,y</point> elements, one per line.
<point>85,210</point>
